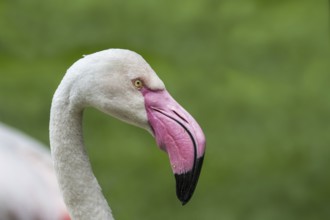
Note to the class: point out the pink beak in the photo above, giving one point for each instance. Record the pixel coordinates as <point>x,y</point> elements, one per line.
<point>177,133</point>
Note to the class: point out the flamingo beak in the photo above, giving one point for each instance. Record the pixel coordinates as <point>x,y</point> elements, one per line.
<point>178,134</point>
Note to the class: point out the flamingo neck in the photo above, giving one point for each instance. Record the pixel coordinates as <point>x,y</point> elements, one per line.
<point>80,189</point>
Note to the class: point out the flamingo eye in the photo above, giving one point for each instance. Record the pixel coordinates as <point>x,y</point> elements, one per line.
<point>138,83</point>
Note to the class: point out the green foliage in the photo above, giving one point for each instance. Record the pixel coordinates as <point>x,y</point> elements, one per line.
<point>255,75</point>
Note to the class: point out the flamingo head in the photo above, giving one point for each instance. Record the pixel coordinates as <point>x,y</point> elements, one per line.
<point>122,84</point>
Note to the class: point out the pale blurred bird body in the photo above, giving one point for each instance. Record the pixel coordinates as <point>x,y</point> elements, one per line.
<point>28,186</point>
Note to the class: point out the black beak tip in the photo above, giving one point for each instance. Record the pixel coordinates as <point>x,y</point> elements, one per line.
<point>184,202</point>
<point>187,182</point>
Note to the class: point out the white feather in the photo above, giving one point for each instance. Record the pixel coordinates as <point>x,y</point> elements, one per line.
<point>102,80</point>
<point>28,186</point>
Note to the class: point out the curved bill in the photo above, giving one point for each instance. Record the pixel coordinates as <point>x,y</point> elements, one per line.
<point>177,133</point>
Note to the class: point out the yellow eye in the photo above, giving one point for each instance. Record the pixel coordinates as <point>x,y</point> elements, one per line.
<point>138,83</point>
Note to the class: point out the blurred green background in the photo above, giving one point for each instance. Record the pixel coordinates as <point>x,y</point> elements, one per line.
<point>255,74</point>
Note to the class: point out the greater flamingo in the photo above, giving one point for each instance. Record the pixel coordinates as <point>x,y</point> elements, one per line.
<point>119,83</point>
<point>28,185</point>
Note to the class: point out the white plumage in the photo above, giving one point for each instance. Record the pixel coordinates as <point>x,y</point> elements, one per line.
<point>28,186</point>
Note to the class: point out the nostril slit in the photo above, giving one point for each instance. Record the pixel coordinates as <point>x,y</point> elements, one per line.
<point>180,116</point>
